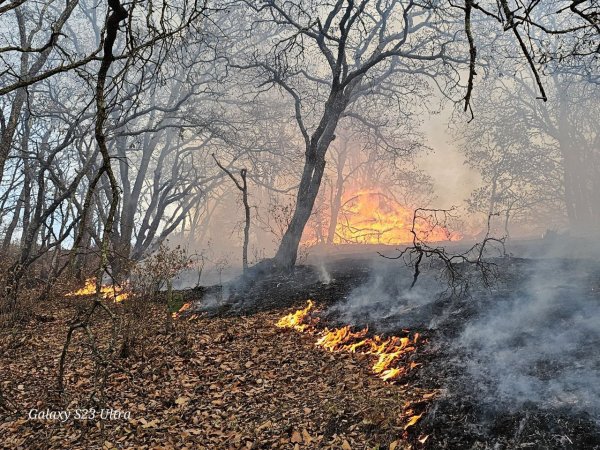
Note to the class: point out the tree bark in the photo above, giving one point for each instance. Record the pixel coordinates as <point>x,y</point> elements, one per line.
<point>314,167</point>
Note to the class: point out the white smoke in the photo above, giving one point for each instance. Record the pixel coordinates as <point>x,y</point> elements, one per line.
<point>324,275</point>
<point>386,300</point>
<point>541,343</point>
<point>534,337</point>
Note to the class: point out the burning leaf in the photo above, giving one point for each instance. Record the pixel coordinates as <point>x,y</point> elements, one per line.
<point>413,420</point>
<point>391,374</point>
<point>388,350</point>
<point>183,308</point>
<point>113,292</point>
<point>384,361</point>
<point>295,320</point>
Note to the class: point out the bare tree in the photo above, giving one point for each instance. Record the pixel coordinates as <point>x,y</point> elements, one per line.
<point>243,188</point>
<point>362,54</point>
<point>37,54</point>
<point>537,157</point>
<point>58,153</point>
<point>350,51</point>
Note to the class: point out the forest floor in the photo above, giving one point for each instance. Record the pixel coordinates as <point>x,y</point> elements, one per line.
<point>228,378</point>
<point>214,383</point>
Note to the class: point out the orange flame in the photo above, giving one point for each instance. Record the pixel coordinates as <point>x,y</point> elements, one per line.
<point>389,351</point>
<point>391,362</point>
<point>112,292</point>
<point>181,310</point>
<point>372,217</point>
<point>295,320</point>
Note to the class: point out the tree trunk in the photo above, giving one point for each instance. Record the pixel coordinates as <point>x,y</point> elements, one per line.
<point>314,166</point>
<point>7,136</point>
<point>339,191</point>
<point>13,223</point>
<point>288,249</point>
<point>307,193</point>
<point>247,220</point>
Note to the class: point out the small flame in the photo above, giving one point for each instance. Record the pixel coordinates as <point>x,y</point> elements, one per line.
<point>183,308</point>
<point>112,292</point>
<point>295,320</point>
<point>390,374</point>
<point>390,362</point>
<point>387,350</point>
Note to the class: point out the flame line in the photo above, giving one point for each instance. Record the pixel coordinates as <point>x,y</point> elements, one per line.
<point>388,350</point>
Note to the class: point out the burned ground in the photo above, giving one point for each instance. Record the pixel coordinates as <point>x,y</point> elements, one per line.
<point>212,383</point>
<point>535,398</point>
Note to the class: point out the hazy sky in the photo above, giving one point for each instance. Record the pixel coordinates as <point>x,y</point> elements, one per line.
<point>453,181</point>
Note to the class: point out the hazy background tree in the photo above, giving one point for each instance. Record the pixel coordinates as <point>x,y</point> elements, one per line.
<point>539,161</point>
<point>332,60</point>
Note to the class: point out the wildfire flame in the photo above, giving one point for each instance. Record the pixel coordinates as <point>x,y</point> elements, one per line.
<point>372,217</point>
<point>112,292</point>
<point>389,351</point>
<point>295,320</point>
<point>181,310</point>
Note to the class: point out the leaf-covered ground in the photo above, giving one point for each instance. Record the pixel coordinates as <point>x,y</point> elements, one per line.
<point>214,383</point>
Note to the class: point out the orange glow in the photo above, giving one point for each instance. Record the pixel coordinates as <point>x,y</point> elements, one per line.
<point>388,351</point>
<point>372,217</point>
<point>183,308</point>
<point>113,292</point>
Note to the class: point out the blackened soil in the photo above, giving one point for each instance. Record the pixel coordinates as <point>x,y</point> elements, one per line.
<point>269,291</point>
<point>459,418</point>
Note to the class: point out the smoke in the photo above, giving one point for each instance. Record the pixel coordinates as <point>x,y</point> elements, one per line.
<point>324,275</point>
<point>540,344</point>
<point>386,301</point>
<point>532,339</point>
